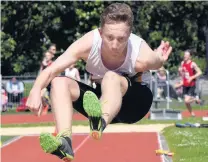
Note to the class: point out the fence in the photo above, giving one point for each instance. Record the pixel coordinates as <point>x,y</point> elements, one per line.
<point>150,78</point>
<point>11,100</point>
<point>158,89</point>
<point>171,96</point>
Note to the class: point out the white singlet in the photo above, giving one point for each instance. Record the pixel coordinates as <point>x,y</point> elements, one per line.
<point>95,66</point>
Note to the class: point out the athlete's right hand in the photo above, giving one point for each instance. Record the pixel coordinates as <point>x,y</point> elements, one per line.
<point>34,102</point>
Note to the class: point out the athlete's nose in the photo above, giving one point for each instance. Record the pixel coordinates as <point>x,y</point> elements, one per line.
<point>115,45</point>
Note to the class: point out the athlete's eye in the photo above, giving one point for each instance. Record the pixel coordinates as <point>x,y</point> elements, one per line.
<point>121,39</point>
<point>110,37</point>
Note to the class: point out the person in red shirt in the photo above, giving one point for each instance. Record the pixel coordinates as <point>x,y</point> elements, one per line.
<point>189,71</point>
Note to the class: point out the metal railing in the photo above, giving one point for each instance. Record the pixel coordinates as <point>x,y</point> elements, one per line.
<point>154,88</point>
<point>14,100</point>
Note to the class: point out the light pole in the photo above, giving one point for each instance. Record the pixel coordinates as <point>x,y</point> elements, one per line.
<point>206,38</point>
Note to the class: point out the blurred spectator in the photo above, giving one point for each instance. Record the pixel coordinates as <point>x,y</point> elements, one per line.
<point>47,60</point>
<point>4,99</point>
<point>52,49</point>
<point>15,90</point>
<point>72,72</point>
<point>163,84</point>
<point>179,88</point>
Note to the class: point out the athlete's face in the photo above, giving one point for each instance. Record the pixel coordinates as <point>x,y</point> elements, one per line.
<point>187,56</point>
<point>115,38</point>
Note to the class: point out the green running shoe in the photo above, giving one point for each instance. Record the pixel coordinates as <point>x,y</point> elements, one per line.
<point>59,146</point>
<point>92,106</point>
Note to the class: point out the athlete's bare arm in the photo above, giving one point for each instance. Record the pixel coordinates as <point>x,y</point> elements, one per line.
<point>78,50</point>
<point>152,60</point>
<point>197,70</point>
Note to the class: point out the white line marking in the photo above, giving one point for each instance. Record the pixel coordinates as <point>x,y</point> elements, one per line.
<point>15,139</point>
<point>81,144</point>
<point>160,146</point>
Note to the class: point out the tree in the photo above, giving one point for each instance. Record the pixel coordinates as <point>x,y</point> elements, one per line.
<point>29,27</point>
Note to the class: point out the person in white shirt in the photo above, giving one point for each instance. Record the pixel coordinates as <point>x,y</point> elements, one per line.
<point>15,90</point>
<point>72,72</point>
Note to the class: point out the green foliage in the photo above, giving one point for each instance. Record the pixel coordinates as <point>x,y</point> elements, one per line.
<point>88,16</point>
<point>201,62</point>
<point>7,45</point>
<point>28,27</point>
<point>33,26</point>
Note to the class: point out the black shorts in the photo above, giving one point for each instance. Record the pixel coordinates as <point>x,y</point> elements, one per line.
<point>136,102</point>
<point>189,91</point>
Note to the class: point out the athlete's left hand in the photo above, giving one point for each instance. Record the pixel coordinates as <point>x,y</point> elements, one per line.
<point>190,79</point>
<point>165,49</point>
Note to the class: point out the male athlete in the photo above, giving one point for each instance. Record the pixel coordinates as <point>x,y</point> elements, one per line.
<point>114,57</point>
<point>189,72</point>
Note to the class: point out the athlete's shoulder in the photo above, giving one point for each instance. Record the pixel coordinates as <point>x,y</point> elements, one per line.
<point>89,35</point>
<point>193,64</point>
<point>135,36</point>
<point>82,46</point>
<point>135,40</point>
<point>86,40</point>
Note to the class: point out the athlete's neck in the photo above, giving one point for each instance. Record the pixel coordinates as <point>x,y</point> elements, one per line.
<point>188,61</point>
<point>110,61</point>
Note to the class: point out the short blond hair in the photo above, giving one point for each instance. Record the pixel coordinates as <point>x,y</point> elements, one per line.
<point>117,12</point>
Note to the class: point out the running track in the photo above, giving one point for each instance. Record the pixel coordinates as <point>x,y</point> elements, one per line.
<point>114,147</point>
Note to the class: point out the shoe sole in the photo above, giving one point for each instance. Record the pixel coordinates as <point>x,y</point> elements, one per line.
<point>50,143</point>
<point>92,106</point>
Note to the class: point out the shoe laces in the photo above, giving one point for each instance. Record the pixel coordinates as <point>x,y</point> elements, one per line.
<point>65,133</point>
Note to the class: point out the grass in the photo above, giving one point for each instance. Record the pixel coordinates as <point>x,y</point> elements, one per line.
<point>181,106</point>
<point>188,144</point>
<point>184,120</point>
<point>28,87</point>
<point>6,138</point>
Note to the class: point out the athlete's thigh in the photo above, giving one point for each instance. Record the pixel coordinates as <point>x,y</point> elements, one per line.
<point>124,84</point>
<point>63,82</point>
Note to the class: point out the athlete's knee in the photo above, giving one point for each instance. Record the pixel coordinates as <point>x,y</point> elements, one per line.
<point>59,82</point>
<point>111,76</point>
<point>187,100</point>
